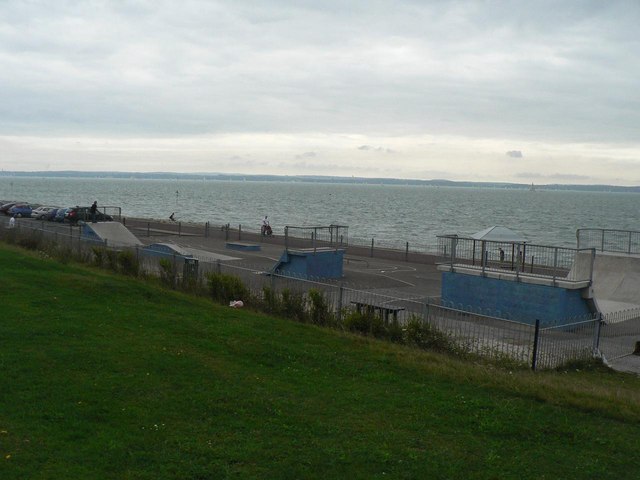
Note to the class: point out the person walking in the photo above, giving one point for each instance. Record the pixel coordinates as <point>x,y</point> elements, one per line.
<point>94,210</point>
<point>12,221</point>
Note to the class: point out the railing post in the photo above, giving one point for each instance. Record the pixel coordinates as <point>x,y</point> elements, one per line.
<point>484,257</point>
<point>425,312</point>
<point>629,249</point>
<point>239,231</point>
<point>596,333</point>
<point>602,241</point>
<point>555,264</point>
<point>593,261</point>
<point>179,228</point>
<point>148,229</point>
<point>340,299</point>
<point>534,354</point>
<point>406,253</point>
<point>286,238</point>
<point>454,242</point>
<point>473,255</point>
<point>371,253</point>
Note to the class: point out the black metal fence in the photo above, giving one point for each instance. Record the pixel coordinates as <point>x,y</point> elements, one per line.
<point>332,236</point>
<point>519,259</point>
<point>609,240</point>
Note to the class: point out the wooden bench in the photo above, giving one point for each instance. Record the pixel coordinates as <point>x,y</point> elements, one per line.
<point>373,308</point>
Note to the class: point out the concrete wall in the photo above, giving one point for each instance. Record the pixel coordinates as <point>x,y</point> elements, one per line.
<point>518,301</point>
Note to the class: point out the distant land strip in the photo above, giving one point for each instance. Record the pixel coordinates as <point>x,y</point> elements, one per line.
<point>314,179</point>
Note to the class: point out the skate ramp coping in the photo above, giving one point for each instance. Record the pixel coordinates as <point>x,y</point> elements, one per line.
<point>113,234</point>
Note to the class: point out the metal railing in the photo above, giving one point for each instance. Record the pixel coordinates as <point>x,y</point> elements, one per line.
<point>519,259</point>
<point>560,344</point>
<point>609,240</point>
<point>332,236</point>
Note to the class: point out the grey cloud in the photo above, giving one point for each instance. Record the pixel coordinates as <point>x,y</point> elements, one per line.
<point>236,66</point>
<point>514,154</point>
<point>376,149</point>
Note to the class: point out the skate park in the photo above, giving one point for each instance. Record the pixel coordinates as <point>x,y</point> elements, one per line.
<point>605,283</point>
<point>407,275</point>
<point>386,272</point>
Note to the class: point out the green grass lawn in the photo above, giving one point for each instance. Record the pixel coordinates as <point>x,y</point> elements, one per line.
<point>104,376</point>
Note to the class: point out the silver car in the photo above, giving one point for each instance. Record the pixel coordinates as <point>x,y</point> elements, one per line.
<point>41,212</point>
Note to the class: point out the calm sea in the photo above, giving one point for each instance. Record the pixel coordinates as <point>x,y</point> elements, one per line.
<point>392,215</point>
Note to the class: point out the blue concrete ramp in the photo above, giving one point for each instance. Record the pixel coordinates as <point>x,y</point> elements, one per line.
<point>517,300</point>
<point>310,263</point>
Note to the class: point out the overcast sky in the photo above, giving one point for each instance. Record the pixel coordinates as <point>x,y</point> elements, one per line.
<point>521,91</point>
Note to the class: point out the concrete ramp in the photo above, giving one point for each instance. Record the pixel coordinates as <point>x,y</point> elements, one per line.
<point>114,234</point>
<point>616,282</point>
<point>311,263</point>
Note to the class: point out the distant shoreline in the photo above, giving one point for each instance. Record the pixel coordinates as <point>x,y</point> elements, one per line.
<point>310,179</point>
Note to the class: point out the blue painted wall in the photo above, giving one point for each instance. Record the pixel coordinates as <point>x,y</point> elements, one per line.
<point>518,301</point>
<point>311,265</point>
<point>89,235</point>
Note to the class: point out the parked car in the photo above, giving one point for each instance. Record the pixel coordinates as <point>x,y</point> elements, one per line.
<point>60,215</point>
<point>51,215</point>
<point>20,210</point>
<point>41,212</point>
<point>76,214</point>
<point>5,208</point>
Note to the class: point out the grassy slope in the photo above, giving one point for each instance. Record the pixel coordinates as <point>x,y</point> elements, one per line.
<point>106,377</point>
